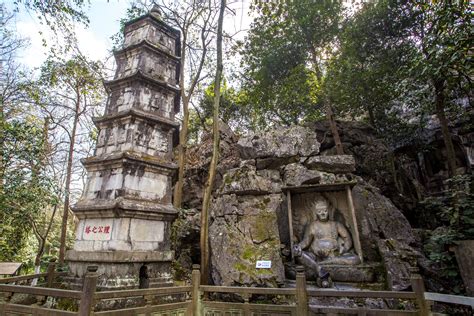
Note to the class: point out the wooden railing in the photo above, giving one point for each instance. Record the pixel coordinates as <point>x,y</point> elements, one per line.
<point>431,298</point>
<point>46,279</point>
<point>301,304</point>
<point>199,299</point>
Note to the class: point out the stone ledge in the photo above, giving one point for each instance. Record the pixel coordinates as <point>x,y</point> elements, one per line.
<point>334,164</point>
<point>105,160</point>
<point>171,31</point>
<point>139,75</point>
<point>144,115</point>
<point>119,256</point>
<point>325,187</point>
<point>124,208</point>
<point>362,273</point>
<point>147,45</point>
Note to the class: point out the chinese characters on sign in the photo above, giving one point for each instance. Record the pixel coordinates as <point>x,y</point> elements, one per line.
<point>97,229</point>
<point>263,264</point>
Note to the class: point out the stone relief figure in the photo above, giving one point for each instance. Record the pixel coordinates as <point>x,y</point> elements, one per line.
<point>325,241</point>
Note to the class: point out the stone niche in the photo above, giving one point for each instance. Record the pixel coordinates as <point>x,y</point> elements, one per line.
<point>300,214</point>
<point>301,207</point>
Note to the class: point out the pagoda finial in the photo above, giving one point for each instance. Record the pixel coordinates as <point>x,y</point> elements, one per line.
<point>155,11</point>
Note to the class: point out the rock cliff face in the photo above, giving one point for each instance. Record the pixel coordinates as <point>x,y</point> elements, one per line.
<point>249,210</point>
<point>406,172</point>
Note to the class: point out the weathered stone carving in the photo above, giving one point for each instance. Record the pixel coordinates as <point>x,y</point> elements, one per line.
<point>325,241</point>
<point>387,244</point>
<point>125,212</point>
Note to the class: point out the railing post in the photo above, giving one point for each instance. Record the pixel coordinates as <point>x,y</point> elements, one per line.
<point>301,294</point>
<point>361,310</point>
<point>6,300</point>
<point>246,308</point>
<point>196,294</point>
<point>419,288</point>
<point>88,290</point>
<point>51,274</point>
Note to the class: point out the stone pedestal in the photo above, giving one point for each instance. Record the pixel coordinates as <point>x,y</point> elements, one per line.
<point>125,213</point>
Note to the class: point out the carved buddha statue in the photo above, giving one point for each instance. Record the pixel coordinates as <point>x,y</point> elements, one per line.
<point>325,241</point>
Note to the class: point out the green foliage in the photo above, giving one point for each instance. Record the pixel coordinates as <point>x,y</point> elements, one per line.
<point>362,77</point>
<point>67,304</point>
<point>233,108</point>
<point>54,12</point>
<point>439,62</point>
<point>285,56</point>
<point>395,57</point>
<point>455,211</point>
<point>445,32</point>
<point>455,208</point>
<point>197,124</point>
<point>27,188</point>
<point>60,17</point>
<point>82,76</point>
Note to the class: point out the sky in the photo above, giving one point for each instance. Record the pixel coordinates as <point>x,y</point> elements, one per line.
<point>94,41</point>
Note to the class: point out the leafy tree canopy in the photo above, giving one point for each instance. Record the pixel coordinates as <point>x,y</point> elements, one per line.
<point>27,186</point>
<point>285,55</point>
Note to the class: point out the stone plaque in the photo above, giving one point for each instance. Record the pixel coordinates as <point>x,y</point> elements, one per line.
<point>97,229</point>
<point>145,230</point>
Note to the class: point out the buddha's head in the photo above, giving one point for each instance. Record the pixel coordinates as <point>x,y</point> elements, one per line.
<point>321,209</point>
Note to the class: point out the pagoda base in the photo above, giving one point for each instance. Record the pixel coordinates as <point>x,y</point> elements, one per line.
<point>360,273</point>
<point>120,270</point>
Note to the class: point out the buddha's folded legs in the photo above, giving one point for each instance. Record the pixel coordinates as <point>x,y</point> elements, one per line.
<point>308,260</point>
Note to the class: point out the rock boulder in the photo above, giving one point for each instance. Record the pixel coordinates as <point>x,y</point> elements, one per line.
<point>279,143</point>
<point>385,234</point>
<point>248,213</point>
<point>244,230</point>
<point>334,164</point>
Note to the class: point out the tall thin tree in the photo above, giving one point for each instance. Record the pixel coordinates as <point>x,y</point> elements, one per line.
<point>69,90</point>
<point>206,201</point>
<point>197,21</point>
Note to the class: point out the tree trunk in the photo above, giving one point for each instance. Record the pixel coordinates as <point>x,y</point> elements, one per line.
<point>37,271</point>
<point>443,121</point>
<point>35,173</point>
<point>334,131</point>
<point>2,142</point>
<point>186,97</point>
<point>38,264</point>
<point>62,246</point>
<point>206,201</point>
<point>372,119</point>
<point>183,133</point>
<point>183,141</point>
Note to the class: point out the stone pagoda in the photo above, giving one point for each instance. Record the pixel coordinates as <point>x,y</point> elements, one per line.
<point>125,213</point>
